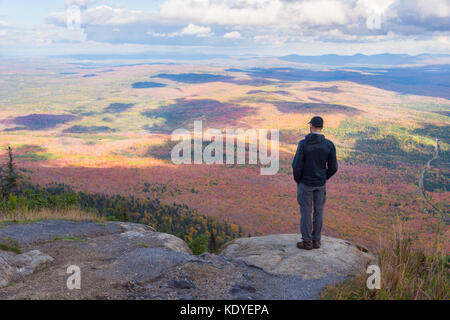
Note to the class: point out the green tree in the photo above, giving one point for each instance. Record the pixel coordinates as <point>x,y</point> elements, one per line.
<point>199,244</point>
<point>9,177</point>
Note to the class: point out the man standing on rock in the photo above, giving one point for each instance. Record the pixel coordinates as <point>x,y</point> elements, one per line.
<point>314,163</point>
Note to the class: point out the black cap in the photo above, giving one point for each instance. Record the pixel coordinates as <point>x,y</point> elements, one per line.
<point>317,122</point>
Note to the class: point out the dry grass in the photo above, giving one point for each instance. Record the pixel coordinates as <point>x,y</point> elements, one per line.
<point>407,273</point>
<point>48,214</point>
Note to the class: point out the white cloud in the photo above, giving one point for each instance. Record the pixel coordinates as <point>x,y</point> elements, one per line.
<point>377,7</point>
<point>444,40</point>
<point>428,8</point>
<point>232,35</point>
<point>419,16</point>
<point>80,3</point>
<point>158,34</point>
<point>274,41</point>
<point>189,30</point>
<point>231,12</point>
<point>312,16</point>
<point>277,23</point>
<point>197,31</point>
<point>41,36</point>
<point>316,12</point>
<point>257,12</point>
<point>104,15</point>
<point>3,26</point>
<point>287,17</point>
<point>261,37</point>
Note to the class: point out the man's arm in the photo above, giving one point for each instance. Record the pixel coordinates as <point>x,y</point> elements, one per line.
<point>297,163</point>
<point>332,164</point>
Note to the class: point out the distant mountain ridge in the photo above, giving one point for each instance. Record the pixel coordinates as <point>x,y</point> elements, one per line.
<point>326,59</point>
<point>376,59</point>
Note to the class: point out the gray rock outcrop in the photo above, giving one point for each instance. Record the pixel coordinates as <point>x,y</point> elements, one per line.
<point>133,261</point>
<point>278,254</point>
<point>15,266</point>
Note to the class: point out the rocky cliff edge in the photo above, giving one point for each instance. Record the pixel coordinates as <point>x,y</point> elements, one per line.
<point>132,261</point>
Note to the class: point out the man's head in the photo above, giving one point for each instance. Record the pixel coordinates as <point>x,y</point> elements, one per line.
<point>316,124</point>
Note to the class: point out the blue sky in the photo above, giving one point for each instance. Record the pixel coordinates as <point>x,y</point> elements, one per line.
<point>273,27</point>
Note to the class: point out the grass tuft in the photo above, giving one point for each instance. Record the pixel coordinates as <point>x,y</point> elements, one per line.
<point>5,247</point>
<point>407,273</point>
<point>68,238</point>
<point>28,216</point>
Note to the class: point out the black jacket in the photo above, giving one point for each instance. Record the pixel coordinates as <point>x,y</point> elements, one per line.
<point>315,160</point>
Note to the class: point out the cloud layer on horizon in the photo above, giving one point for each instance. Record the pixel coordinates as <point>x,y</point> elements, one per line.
<point>254,23</point>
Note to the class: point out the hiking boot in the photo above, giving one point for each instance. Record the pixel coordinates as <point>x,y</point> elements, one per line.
<point>307,245</point>
<point>316,244</point>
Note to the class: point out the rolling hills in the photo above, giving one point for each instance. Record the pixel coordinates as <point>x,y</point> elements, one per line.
<point>111,134</point>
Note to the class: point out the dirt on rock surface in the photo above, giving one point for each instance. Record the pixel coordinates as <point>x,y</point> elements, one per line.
<point>132,261</point>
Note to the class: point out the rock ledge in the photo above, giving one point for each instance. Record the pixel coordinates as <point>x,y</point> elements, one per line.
<point>132,261</point>
<point>278,254</point>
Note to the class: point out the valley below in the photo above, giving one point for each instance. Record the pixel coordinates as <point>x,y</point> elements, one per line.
<point>106,129</point>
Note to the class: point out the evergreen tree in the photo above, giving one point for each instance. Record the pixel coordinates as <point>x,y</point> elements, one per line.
<point>212,244</point>
<point>199,244</point>
<point>10,177</point>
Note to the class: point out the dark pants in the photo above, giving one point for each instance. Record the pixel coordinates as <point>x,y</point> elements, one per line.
<point>307,197</point>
